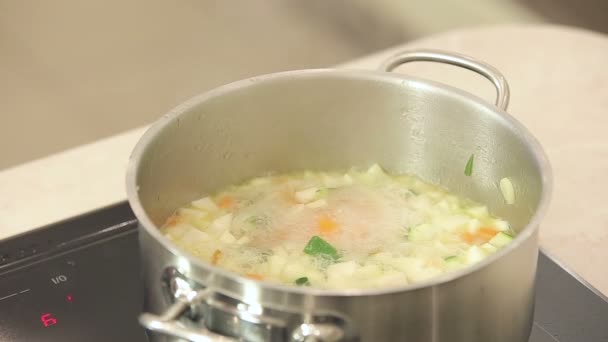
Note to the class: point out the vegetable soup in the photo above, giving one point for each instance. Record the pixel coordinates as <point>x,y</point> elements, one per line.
<point>332,230</point>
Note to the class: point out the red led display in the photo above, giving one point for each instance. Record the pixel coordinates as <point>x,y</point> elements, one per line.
<point>47,320</point>
<point>69,298</point>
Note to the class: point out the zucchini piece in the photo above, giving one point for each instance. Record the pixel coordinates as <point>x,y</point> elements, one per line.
<point>489,248</point>
<point>453,262</point>
<point>422,232</point>
<point>302,281</point>
<point>501,239</point>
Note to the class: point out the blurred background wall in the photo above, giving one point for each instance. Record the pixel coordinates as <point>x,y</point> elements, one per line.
<point>74,71</point>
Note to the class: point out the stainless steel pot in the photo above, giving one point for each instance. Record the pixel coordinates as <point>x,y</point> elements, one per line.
<point>336,119</point>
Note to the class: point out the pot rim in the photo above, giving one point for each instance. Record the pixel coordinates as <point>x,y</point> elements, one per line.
<point>528,231</point>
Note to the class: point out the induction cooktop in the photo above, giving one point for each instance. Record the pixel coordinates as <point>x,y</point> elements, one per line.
<point>80,280</point>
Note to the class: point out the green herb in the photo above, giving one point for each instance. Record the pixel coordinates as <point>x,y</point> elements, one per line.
<point>468,169</point>
<point>258,221</point>
<point>451,257</point>
<point>322,193</point>
<point>408,193</point>
<point>302,281</point>
<point>316,246</point>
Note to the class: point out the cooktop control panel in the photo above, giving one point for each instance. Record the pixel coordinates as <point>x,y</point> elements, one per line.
<point>85,289</point>
<point>92,294</point>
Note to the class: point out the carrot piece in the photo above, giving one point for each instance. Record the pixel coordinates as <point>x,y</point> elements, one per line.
<point>226,202</point>
<point>327,225</point>
<point>215,258</point>
<point>487,233</point>
<point>481,236</point>
<point>255,276</point>
<point>468,237</point>
<point>172,220</point>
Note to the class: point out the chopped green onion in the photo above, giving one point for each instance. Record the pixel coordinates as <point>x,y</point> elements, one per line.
<point>468,169</point>
<point>302,281</point>
<point>450,258</point>
<point>316,246</point>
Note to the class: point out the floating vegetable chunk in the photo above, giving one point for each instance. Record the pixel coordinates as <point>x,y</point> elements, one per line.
<point>319,247</point>
<point>359,229</point>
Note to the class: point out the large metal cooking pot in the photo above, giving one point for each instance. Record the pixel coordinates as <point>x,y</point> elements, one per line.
<point>328,120</point>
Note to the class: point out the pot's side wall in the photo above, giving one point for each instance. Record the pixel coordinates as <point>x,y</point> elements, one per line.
<point>493,304</point>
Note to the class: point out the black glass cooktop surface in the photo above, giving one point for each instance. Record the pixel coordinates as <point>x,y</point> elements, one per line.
<point>80,280</point>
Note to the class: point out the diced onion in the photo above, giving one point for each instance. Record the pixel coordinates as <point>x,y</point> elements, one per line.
<point>227,237</point>
<point>221,224</point>
<point>306,195</point>
<point>317,204</point>
<point>502,225</point>
<point>343,268</point>
<point>243,240</point>
<point>474,254</point>
<point>478,212</point>
<point>276,264</point>
<point>195,236</point>
<point>205,203</point>
<point>178,230</point>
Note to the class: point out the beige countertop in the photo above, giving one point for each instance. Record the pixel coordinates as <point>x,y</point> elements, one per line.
<point>559,90</point>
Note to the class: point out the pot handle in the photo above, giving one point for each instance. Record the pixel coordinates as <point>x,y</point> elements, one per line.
<point>482,68</point>
<point>168,322</point>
